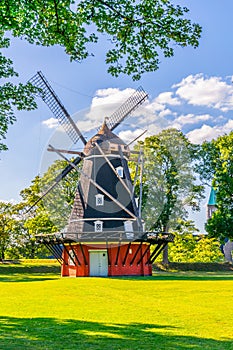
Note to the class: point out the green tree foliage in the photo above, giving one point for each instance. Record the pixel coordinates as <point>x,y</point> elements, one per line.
<point>40,223</point>
<point>11,96</point>
<point>9,226</point>
<point>137,33</point>
<point>193,248</point>
<point>169,182</point>
<point>59,202</point>
<point>47,215</point>
<point>216,160</point>
<point>23,243</point>
<point>189,248</point>
<point>32,222</point>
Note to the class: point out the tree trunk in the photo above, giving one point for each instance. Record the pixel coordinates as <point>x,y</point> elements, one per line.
<point>2,254</point>
<point>165,250</point>
<point>165,255</point>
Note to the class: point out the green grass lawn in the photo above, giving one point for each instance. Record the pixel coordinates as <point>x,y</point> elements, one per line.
<point>171,310</point>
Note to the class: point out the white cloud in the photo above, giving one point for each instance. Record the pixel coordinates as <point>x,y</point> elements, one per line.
<point>106,92</point>
<point>167,98</point>
<point>149,115</point>
<point>155,115</point>
<point>211,92</point>
<point>207,133</point>
<point>128,136</point>
<point>189,119</point>
<point>51,123</point>
<point>165,112</point>
<point>88,125</point>
<point>11,201</point>
<point>228,127</point>
<point>106,102</point>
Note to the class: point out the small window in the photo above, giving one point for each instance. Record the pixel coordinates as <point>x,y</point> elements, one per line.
<point>128,226</point>
<point>98,226</point>
<point>99,199</point>
<point>119,171</point>
<point>71,258</point>
<point>129,229</point>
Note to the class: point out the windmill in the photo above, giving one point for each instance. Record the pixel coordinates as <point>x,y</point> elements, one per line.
<point>105,232</point>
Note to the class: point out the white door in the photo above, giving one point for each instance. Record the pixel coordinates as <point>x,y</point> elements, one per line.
<point>98,262</point>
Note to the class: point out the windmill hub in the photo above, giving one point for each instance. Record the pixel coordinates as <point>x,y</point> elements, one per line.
<point>107,141</point>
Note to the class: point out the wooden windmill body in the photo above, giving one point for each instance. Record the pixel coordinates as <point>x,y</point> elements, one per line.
<point>105,234</point>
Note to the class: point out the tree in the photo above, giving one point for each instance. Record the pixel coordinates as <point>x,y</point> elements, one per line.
<point>188,247</point>
<point>217,161</point>
<point>8,226</point>
<point>11,95</point>
<point>48,215</point>
<point>32,222</point>
<point>59,202</point>
<point>169,181</point>
<point>40,223</point>
<point>137,32</point>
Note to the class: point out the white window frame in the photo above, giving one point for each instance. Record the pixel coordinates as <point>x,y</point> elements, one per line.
<point>120,171</point>
<point>99,199</point>
<point>71,258</point>
<point>128,225</point>
<point>98,226</point>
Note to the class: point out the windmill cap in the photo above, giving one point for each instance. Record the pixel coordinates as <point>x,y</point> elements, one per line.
<point>105,138</point>
<point>106,134</point>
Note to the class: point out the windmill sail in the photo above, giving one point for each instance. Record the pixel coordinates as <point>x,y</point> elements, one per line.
<point>53,102</point>
<point>133,102</point>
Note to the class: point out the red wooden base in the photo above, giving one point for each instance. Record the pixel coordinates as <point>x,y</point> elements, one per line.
<point>121,260</point>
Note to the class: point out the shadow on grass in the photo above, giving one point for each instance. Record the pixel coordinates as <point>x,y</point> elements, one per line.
<point>198,267</point>
<point>26,273</point>
<point>180,276</point>
<point>50,334</point>
<point>26,278</point>
<point>188,277</point>
<point>10,269</point>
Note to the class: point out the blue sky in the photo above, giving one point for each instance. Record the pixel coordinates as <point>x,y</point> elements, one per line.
<point>192,91</point>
